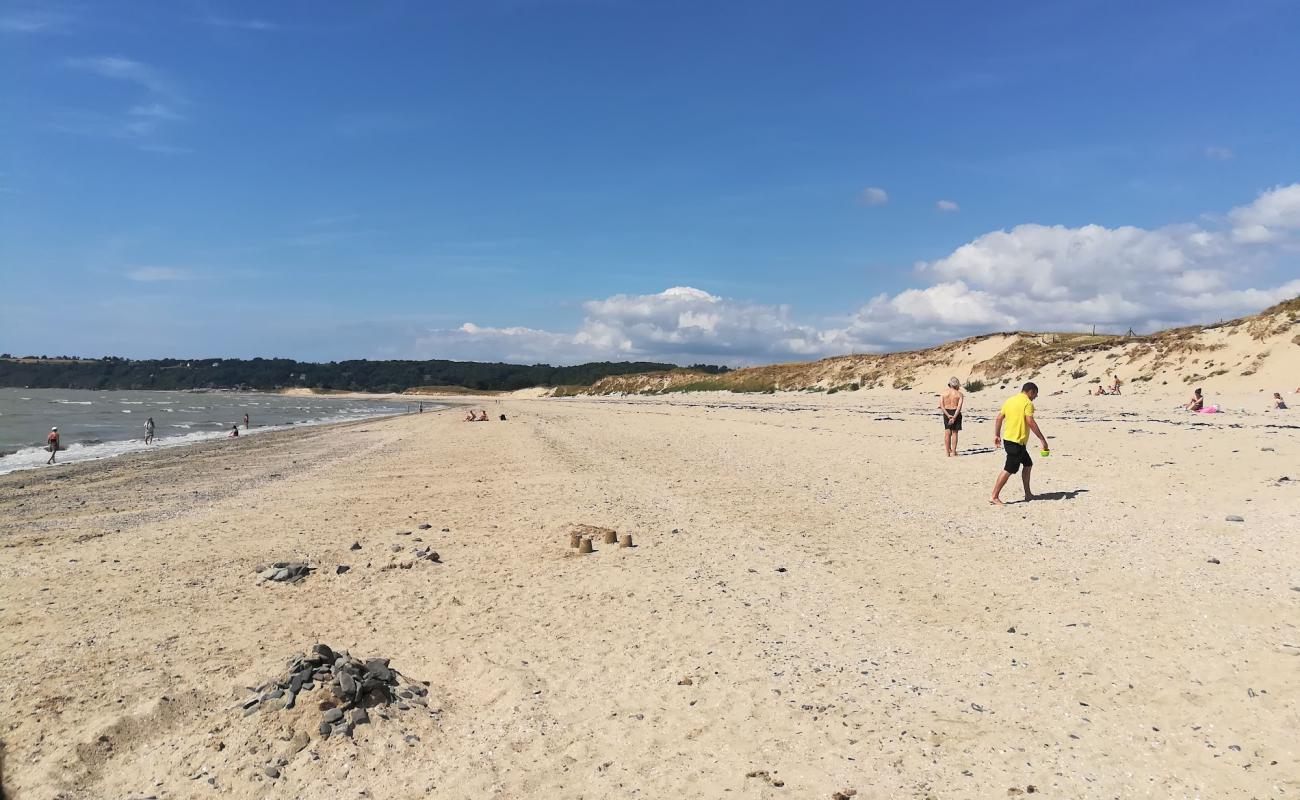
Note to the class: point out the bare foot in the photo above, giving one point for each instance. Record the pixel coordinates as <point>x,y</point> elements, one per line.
<point>995,502</point>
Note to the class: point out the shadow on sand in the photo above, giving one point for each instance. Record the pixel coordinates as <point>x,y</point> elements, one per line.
<point>1056,495</point>
<point>975,451</point>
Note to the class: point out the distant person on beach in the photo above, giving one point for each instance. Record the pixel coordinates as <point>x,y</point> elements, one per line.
<point>1114,386</point>
<point>148,431</point>
<point>1197,402</point>
<point>52,442</point>
<point>503,417</point>
<point>1278,402</point>
<point>482,415</point>
<point>950,405</point>
<point>1099,392</point>
<point>470,417</point>
<point>1017,415</point>
<point>245,422</point>
<point>234,431</point>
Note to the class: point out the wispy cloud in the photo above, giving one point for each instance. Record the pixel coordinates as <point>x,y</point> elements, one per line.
<point>34,21</point>
<point>242,24</point>
<point>125,69</point>
<point>874,196</point>
<point>142,122</point>
<point>160,274</point>
<point>947,205</point>
<point>1220,153</point>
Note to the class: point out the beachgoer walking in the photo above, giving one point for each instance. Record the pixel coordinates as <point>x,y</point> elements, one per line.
<point>950,406</point>
<point>1016,420</point>
<point>1114,386</point>
<point>148,431</point>
<point>245,422</point>
<point>52,442</point>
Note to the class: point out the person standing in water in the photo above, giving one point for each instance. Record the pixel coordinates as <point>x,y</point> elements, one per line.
<point>245,421</point>
<point>1018,415</point>
<point>148,431</point>
<point>950,405</point>
<point>52,442</point>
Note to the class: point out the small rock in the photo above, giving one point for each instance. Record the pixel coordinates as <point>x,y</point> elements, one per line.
<point>1012,629</point>
<point>1211,561</point>
<point>333,715</point>
<point>424,526</point>
<point>782,569</point>
<point>272,772</point>
<point>686,682</point>
<point>355,546</point>
<point>359,716</point>
<point>1234,518</point>
<point>299,741</point>
<point>341,568</point>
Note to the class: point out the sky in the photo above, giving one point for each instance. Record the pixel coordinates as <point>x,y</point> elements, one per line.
<point>562,181</point>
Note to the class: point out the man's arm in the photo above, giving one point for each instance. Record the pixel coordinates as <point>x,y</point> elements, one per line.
<point>997,430</point>
<point>1033,426</point>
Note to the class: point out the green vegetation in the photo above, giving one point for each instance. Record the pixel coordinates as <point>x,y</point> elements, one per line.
<point>269,374</point>
<point>974,386</point>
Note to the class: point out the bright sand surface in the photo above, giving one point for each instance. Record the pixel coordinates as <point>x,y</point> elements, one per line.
<point>848,609</point>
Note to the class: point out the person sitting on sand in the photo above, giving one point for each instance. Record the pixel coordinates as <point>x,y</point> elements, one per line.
<point>1099,391</point>
<point>469,417</point>
<point>234,431</point>
<point>1278,403</point>
<point>503,417</point>
<point>1197,402</point>
<point>52,442</point>
<point>950,405</point>
<point>482,415</point>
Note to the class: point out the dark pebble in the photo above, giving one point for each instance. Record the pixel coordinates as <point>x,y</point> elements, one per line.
<point>341,568</point>
<point>355,546</point>
<point>424,526</point>
<point>1211,561</point>
<point>333,715</point>
<point>1234,518</point>
<point>272,772</point>
<point>359,716</point>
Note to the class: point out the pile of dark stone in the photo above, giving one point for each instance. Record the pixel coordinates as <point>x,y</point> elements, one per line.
<point>285,571</point>
<point>353,686</point>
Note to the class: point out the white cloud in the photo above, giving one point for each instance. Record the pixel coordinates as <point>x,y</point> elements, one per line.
<point>159,274</point>
<point>1220,153</point>
<point>1031,277</point>
<point>947,205</point>
<point>680,324</point>
<point>33,21</point>
<point>125,69</point>
<point>242,24</point>
<point>874,196</point>
<point>1273,216</point>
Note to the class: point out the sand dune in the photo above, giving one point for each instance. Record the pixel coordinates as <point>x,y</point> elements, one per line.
<point>818,601</point>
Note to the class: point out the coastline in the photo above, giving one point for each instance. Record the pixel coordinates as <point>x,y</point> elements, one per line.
<point>848,610</point>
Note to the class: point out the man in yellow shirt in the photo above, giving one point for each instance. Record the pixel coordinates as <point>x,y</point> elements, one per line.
<point>1016,420</point>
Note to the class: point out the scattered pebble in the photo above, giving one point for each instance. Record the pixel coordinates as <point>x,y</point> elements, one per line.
<point>1234,518</point>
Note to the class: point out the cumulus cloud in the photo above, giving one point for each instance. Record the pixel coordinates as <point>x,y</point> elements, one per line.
<point>1273,216</point>
<point>1031,277</point>
<point>947,205</point>
<point>874,196</point>
<point>681,324</point>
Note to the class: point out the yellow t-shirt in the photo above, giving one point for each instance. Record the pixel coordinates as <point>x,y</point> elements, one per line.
<point>1015,411</point>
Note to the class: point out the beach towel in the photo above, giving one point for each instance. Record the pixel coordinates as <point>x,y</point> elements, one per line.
<point>1209,410</point>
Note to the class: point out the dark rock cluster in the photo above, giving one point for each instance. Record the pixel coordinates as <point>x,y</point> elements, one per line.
<point>285,571</point>
<point>350,685</point>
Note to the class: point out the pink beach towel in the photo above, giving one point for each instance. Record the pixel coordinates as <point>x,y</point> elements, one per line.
<point>1209,410</point>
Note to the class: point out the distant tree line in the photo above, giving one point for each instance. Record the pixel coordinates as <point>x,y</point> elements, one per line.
<point>269,374</point>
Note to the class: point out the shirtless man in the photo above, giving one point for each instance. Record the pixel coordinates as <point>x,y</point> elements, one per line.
<point>950,405</point>
<point>52,442</point>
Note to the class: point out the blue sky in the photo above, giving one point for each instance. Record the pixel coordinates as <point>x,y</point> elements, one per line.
<point>556,181</point>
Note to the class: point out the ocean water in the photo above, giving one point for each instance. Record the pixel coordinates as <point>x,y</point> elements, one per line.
<point>105,424</point>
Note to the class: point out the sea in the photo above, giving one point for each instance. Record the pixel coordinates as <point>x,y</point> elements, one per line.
<point>103,424</point>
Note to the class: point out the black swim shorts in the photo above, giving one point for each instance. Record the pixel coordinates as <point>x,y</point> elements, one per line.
<point>1017,454</point>
<point>955,425</point>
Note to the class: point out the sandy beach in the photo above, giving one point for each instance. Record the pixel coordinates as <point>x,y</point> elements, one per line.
<point>818,601</point>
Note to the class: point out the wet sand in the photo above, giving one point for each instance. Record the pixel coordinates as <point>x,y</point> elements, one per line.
<point>818,601</point>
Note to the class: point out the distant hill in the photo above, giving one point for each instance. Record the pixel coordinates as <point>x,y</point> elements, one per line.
<point>1256,352</point>
<point>271,374</point>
